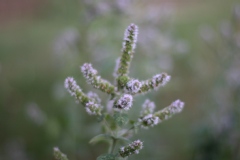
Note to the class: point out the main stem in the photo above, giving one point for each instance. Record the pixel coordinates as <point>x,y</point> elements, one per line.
<point>114,142</point>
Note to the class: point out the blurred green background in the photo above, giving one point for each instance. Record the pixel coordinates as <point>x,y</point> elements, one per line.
<point>42,42</point>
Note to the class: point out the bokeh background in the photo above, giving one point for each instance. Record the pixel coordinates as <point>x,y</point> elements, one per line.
<point>196,41</point>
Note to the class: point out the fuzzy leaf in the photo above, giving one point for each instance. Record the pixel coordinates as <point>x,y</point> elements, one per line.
<point>111,121</point>
<point>131,122</point>
<point>121,119</point>
<point>100,137</point>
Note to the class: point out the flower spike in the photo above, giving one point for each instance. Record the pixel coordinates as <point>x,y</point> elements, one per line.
<point>150,119</point>
<point>92,78</point>
<point>132,148</point>
<point>154,83</point>
<point>168,112</point>
<point>92,106</point>
<point>129,44</point>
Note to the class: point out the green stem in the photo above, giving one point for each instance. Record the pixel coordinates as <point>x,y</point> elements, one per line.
<point>108,127</point>
<point>131,128</point>
<point>114,142</point>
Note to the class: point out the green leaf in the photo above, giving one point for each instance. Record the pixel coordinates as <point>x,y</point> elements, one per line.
<point>121,119</point>
<point>100,137</point>
<point>111,122</point>
<point>108,117</point>
<point>107,157</point>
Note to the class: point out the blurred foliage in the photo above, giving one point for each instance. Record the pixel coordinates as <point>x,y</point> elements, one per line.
<point>220,132</point>
<point>38,50</point>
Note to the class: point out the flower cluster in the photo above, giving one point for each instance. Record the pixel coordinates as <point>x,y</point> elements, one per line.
<point>132,148</point>
<point>133,86</point>
<point>130,39</point>
<point>149,121</point>
<point>88,72</point>
<point>160,80</point>
<point>125,102</point>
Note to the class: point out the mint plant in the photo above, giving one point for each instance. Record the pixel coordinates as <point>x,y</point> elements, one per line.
<point>118,127</point>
